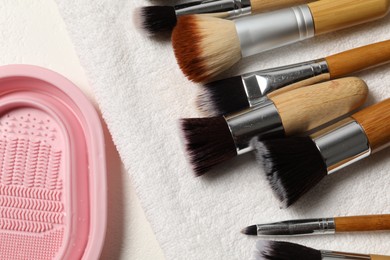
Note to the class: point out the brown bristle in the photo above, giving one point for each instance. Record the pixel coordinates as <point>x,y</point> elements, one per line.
<point>208,142</point>
<point>205,46</point>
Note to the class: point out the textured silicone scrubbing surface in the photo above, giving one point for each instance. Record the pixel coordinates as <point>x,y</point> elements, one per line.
<point>52,170</point>
<point>31,185</point>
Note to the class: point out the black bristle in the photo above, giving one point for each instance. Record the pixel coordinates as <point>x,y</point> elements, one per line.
<point>223,97</point>
<point>157,19</point>
<point>250,231</point>
<point>293,166</point>
<point>208,142</point>
<point>274,250</point>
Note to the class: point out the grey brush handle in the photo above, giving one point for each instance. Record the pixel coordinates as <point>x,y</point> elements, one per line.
<point>330,255</point>
<point>262,32</point>
<point>263,120</point>
<point>298,227</point>
<point>260,83</point>
<point>235,8</point>
<point>342,144</point>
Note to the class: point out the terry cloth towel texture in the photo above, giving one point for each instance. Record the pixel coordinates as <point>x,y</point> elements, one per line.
<point>142,94</point>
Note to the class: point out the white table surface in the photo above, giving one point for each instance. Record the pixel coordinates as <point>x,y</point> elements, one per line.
<point>32,32</point>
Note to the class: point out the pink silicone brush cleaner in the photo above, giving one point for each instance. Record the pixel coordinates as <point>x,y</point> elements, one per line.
<point>52,168</point>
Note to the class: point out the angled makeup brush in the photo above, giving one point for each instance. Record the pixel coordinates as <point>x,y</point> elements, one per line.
<point>210,141</point>
<point>205,46</point>
<point>274,250</point>
<point>156,19</point>
<point>320,226</point>
<point>232,94</point>
<point>294,165</point>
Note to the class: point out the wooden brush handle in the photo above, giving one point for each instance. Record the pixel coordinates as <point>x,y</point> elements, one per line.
<point>308,107</point>
<point>375,121</point>
<point>267,5</point>
<point>358,59</point>
<point>363,223</point>
<point>379,257</point>
<point>332,15</point>
<point>347,62</point>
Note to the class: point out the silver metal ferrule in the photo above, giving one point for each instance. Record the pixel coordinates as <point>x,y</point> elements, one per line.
<point>259,83</point>
<point>262,120</point>
<point>233,8</point>
<point>342,144</point>
<point>330,255</point>
<point>262,32</point>
<point>298,227</point>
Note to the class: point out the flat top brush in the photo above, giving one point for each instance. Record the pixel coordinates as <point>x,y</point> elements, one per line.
<point>274,250</point>
<point>156,19</point>
<point>294,165</point>
<point>320,226</point>
<point>232,94</point>
<point>205,46</point>
<point>210,141</point>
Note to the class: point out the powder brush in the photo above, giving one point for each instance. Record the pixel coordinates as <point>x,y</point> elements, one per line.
<point>156,19</point>
<point>233,94</point>
<point>211,141</point>
<point>274,250</point>
<point>205,46</point>
<point>294,165</point>
<point>320,226</point>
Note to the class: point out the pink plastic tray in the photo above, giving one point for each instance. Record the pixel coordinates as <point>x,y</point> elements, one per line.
<point>52,168</point>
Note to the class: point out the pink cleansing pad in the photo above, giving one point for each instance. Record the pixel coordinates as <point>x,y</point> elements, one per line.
<point>52,168</point>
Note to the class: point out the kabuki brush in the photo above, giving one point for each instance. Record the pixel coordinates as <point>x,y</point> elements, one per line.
<point>157,19</point>
<point>205,46</point>
<point>294,165</point>
<point>273,250</point>
<point>232,94</point>
<point>320,226</point>
<point>211,141</point>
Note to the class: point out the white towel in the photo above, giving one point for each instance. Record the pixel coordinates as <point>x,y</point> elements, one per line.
<point>142,94</point>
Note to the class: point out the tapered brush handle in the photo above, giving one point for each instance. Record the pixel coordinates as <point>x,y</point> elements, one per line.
<point>379,257</point>
<point>306,108</point>
<point>354,60</point>
<point>375,121</point>
<point>267,5</point>
<point>332,15</point>
<point>362,223</point>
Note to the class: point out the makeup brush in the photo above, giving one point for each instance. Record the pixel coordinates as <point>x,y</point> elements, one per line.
<point>320,226</point>
<point>156,19</point>
<point>210,141</point>
<point>294,165</point>
<point>232,94</point>
<point>205,46</point>
<point>274,250</point>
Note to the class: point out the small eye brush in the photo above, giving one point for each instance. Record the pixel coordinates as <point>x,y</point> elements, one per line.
<point>294,165</point>
<point>211,141</point>
<point>157,19</point>
<point>205,46</point>
<point>233,94</point>
<point>320,226</point>
<point>274,250</point>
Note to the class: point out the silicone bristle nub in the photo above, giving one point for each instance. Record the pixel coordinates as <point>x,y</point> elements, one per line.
<point>155,19</point>
<point>274,250</point>
<point>292,165</point>
<point>223,97</point>
<point>205,46</point>
<point>250,231</point>
<point>208,142</point>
